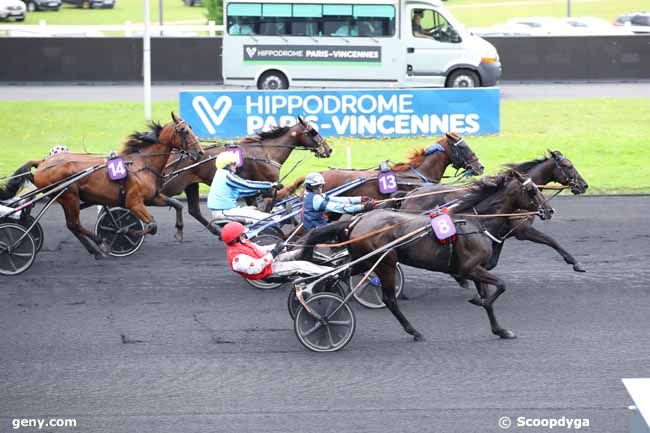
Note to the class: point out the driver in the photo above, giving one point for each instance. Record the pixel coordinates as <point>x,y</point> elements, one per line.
<point>256,262</point>
<point>416,24</point>
<point>227,188</point>
<point>315,203</point>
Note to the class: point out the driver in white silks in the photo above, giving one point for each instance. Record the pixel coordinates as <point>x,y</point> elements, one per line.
<point>227,188</point>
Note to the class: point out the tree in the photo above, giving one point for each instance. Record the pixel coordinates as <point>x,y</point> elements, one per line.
<point>214,10</point>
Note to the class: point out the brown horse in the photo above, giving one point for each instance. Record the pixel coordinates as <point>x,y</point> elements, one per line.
<point>145,155</point>
<point>466,258</point>
<point>264,155</point>
<point>552,168</point>
<point>423,165</point>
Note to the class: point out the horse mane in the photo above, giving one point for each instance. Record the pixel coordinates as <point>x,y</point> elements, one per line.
<point>481,189</point>
<point>139,140</point>
<point>415,158</point>
<point>275,132</point>
<point>525,167</point>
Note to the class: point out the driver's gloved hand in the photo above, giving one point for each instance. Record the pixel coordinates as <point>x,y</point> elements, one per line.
<point>277,249</point>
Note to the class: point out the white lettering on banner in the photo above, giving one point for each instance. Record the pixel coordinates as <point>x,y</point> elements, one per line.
<point>329,104</point>
<point>207,113</point>
<point>338,114</point>
<point>386,124</point>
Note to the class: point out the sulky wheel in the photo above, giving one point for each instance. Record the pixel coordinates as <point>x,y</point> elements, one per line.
<point>265,240</point>
<point>36,232</point>
<point>331,329</point>
<point>121,230</point>
<point>17,249</point>
<point>370,294</point>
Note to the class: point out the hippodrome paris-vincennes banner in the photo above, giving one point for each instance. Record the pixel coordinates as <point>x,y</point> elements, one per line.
<point>349,113</point>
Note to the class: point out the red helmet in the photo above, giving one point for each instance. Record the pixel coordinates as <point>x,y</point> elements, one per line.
<point>232,231</point>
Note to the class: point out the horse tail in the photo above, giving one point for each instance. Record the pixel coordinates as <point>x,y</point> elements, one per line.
<point>328,232</point>
<point>291,188</point>
<point>17,180</point>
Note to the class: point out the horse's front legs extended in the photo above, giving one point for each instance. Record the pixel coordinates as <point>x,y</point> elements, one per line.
<point>163,200</point>
<point>534,235</point>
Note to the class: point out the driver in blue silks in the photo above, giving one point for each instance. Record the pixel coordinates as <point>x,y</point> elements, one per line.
<point>315,203</point>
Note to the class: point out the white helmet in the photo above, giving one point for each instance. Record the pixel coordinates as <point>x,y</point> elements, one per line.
<point>314,180</point>
<point>58,149</point>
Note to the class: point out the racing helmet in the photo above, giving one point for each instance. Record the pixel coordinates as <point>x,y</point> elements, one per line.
<point>224,159</point>
<point>58,149</point>
<point>232,231</point>
<point>313,181</point>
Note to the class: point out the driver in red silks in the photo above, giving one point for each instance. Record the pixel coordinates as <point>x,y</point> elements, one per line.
<point>255,262</point>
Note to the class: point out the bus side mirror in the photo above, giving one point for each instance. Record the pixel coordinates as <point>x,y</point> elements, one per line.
<point>454,37</point>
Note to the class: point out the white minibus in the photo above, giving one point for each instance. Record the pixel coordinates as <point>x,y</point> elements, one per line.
<point>365,43</point>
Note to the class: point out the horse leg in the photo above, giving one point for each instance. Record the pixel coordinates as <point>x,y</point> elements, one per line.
<point>163,200</point>
<point>496,253</point>
<point>386,273</point>
<point>70,203</point>
<point>194,206</point>
<point>482,278</point>
<point>534,235</point>
<point>136,205</point>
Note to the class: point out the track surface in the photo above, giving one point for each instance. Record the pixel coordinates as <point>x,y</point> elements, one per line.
<point>100,93</point>
<point>169,340</point>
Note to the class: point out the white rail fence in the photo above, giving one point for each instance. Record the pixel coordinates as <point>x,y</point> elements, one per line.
<point>128,29</point>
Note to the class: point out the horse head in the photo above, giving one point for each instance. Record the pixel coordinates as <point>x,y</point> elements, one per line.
<point>461,155</point>
<point>527,195</point>
<point>565,173</point>
<point>177,134</point>
<point>307,136</point>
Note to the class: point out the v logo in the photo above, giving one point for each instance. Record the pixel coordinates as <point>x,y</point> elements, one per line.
<point>251,51</point>
<point>212,115</point>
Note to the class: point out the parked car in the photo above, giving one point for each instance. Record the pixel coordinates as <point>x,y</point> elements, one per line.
<point>638,22</point>
<point>596,26</point>
<point>193,2</point>
<point>92,4</point>
<point>42,5</point>
<point>12,9</point>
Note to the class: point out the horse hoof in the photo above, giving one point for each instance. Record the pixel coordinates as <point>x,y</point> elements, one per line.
<point>464,284</point>
<point>100,256</point>
<point>418,337</point>
<point>578,268</point>
<point>506,334</point>
<point>179,236</point>
<point>479,302</point>
<point>403,297</point>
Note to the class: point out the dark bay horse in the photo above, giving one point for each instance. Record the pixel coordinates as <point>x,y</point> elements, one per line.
<point>264,155</point>
<point>466,258</point>
<point>424,165</point>
<point>145,154</point>
<point>552,168</point>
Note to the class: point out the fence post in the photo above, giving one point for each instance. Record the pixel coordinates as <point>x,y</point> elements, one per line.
<point>212,29</point>
<point>127,28</point>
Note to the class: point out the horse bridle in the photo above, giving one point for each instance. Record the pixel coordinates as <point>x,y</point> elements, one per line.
<point>569,180</point>
<point>532,191</point>
<point>181,128</point>
<point>456,156</point>
<point>311,132</point>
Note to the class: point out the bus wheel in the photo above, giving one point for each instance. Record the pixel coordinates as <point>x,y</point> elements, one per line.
<point>273,80</point>
<point>463,78</point>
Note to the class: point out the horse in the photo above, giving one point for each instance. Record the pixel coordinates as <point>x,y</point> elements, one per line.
<point>553,167</point>
<point>145,155</point>
<point>264,155</point>
<point>424,165</point>
<point>464,257</point>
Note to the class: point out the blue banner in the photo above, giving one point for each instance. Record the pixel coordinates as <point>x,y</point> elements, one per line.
<point>348,113</point>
